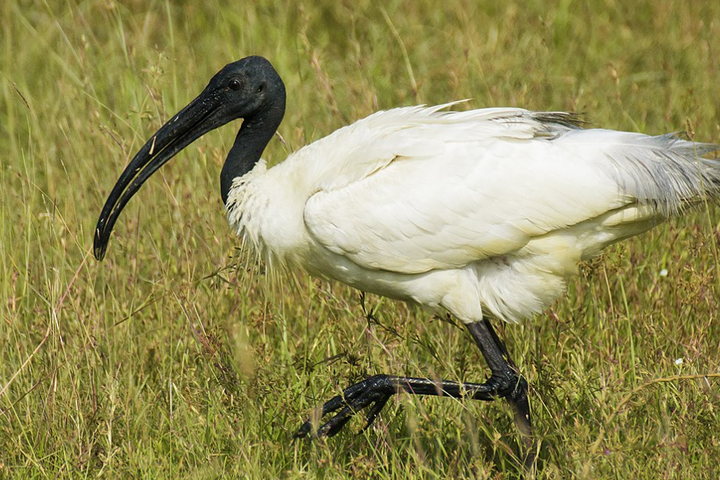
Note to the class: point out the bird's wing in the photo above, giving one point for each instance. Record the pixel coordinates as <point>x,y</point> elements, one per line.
<point>354,152</point>
<point>480,184</point>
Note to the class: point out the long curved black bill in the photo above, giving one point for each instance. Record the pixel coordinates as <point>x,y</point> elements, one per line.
<point>188,125</point>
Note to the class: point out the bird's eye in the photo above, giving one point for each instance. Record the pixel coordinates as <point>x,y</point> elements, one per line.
<point>260,88</point>
<point>234,84</point>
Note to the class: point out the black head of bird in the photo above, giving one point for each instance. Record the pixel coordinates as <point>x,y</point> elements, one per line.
<point>249,89</point>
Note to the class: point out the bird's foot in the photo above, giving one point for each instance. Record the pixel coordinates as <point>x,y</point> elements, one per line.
<point>373,392</point>
<point>514,388</point>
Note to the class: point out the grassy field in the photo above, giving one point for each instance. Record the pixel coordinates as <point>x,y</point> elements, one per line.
<point>178,357</point>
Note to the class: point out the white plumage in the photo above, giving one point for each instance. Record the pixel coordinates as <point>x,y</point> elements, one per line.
<point>477,212</point>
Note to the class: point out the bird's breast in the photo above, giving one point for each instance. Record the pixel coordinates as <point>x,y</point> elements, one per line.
<point>266,211</point>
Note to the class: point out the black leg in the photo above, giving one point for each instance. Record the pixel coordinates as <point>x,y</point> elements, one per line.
<point>374,392</point>
<point>509,384</point>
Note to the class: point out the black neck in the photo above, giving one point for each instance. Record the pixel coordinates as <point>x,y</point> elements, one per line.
<point>251,140</point>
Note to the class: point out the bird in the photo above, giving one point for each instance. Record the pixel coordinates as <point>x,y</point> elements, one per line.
<point>483,214</point>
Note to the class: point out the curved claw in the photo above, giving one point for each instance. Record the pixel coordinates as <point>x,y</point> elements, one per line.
<point>373,392</point>
<point>373,413</point>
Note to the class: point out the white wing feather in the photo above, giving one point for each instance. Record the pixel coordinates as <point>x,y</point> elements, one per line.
<point>448,189</point>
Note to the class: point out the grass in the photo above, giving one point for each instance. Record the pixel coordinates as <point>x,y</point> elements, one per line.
<point>177,357</point>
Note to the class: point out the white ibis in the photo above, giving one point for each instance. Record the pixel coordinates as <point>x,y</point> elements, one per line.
<point>483,213</point>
